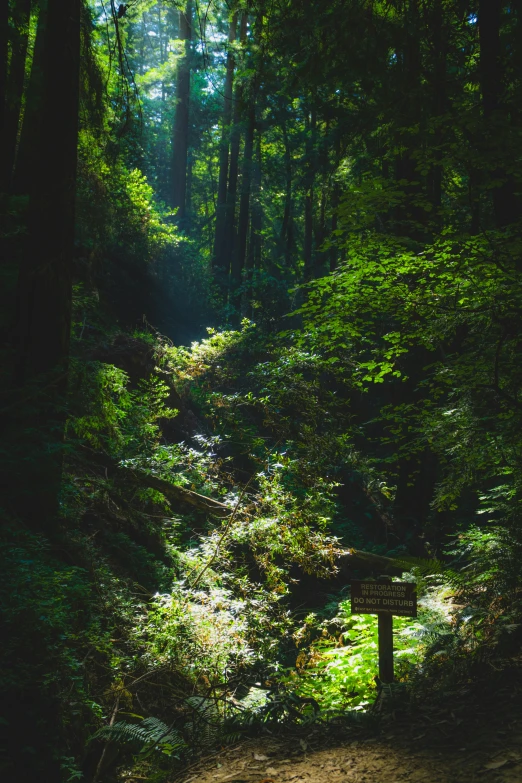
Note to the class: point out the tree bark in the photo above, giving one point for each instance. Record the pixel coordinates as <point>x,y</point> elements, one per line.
<point>505,203</point>
<point>180,138</point>
<point>336,198</point>
<point>172,492</point>
<point>239,258</point>
<point>286,237</point>
<point>233,174</point>
<point>14,91</point>
<point>218,260</point>
<point>4,39</point>
<point>44,293</point>
<point>253,256</point>
<point>410,217</point>
<point>311,125</point>
<point>439,104</point>
<point>27,154</point>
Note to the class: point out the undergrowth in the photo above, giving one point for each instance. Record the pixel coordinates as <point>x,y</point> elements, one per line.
<point>166,627</point>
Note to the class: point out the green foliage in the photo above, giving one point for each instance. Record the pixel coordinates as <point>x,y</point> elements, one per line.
<point>115,418</point>
<point>149,735</point>
<point>339,674</point>
<point>382,207</point>
<point>118,210</point>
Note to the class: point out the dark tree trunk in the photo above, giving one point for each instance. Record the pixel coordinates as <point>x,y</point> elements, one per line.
<point>440,104</point>
<point>235,144</point>
<point>190,183</point>
<point>4,38</point>
<point>490,69</point>
<point>218,261</point>
<point>27,154</point>
<point>180,138</point>
<point>410,217</point>
<point>253,257</point>
<point>505,203</point>
<point>311,124</point>
<point>239,258</point>
<point>45,280</point>
<point>320,222</point>
<point>336,197</point>
<point>286,237</point>
<point>308,234</point>
<point>14,90</point>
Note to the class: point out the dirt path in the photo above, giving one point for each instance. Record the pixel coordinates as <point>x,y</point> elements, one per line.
<point>473,741</point>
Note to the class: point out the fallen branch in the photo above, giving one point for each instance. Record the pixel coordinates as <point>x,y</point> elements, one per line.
<point>350,559</point>
<point>347,561</point>
<point>171,491</point>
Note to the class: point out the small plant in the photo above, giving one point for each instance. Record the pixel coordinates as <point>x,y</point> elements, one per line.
<point>149,736</point>
<point>339,674</point>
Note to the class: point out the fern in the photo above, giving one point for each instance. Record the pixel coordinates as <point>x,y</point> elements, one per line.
<point>151,734</point>
<point>206,725</point>
<point>424,566</point>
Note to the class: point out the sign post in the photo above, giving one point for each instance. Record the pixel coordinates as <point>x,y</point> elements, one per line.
<point>385,631</point>
<point>384,598</point>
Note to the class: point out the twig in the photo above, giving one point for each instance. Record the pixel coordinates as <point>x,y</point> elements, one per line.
<point>221,538</point>
<point>104,751</point>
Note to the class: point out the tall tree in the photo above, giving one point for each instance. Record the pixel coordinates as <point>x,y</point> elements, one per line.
<point>230,236</point>
<point>309,181</point>
<point>218,260</point>
<point>29,145</point>
<point>239,256</point>
<point>4,43</point>
<point>45,277</point>
<point>180,136</point>
<point>254,250</point>
<point>14,90</point>
<point>492,82</point>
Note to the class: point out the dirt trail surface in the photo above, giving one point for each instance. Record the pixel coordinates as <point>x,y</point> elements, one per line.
<point>473,740</point>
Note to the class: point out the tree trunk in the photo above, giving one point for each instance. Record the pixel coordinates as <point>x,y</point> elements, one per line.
<point>336,199</point>
<point>439,105</point>
<point>160,33</point>
<point>218,260</point>
<point>235,144</point>
<point>239,258</point>
<point>410,217</point>
<point>505,203</point>
<point>27,154</point>
<point>311,124</point>
<point>180,136</point>
<point>44,293</point>
<point>14,90</point>
<point>490,69</point>
<point>4,38</point>
<point>286,237</point>
<point>253,256</point>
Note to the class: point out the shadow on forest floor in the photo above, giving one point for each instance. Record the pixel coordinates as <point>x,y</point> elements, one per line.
<point>472,734</point>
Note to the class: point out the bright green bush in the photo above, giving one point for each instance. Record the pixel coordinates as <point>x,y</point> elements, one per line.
<point>340,674</point>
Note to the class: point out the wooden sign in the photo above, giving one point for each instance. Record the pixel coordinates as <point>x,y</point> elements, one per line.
<point>384,598</point>
<point>398,598</point>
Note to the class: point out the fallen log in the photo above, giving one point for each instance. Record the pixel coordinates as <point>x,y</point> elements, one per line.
<point>171,491</point>
<point>350,559</point>
<point>179,494</point>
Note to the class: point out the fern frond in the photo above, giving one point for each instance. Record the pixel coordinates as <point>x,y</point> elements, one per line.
<point>425,566</point>
<point>150,733</point>
<point>206,725</point>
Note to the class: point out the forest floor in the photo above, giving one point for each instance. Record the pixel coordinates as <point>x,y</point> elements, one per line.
<point>468,735</point>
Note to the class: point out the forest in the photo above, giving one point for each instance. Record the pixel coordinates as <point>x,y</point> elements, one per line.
<point>261,335</point>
